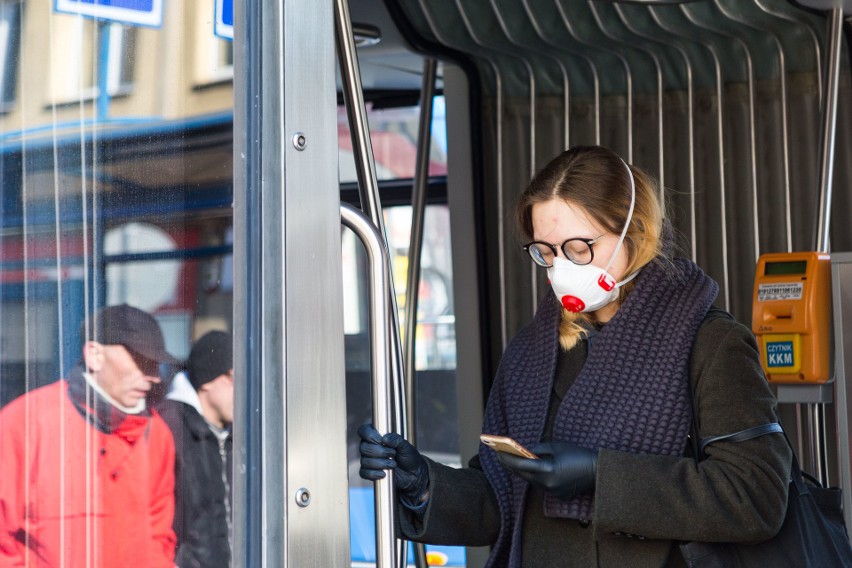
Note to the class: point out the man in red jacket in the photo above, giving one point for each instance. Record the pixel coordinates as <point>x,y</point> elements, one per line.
<point>86,470</point>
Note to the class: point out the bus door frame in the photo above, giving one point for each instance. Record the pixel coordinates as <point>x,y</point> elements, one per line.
<point>291,498</point>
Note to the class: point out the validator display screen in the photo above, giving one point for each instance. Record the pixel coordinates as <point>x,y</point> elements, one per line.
<point>791,267</point>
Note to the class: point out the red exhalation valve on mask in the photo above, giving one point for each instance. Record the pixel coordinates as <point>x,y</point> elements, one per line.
<point>573,304</point>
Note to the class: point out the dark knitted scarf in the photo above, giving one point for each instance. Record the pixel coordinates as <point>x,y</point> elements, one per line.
<point>630,396</point>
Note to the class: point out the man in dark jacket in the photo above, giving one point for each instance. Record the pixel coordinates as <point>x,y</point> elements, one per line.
<point>199,410</point>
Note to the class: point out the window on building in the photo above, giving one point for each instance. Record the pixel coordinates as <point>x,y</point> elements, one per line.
<point>214,56</point>
<point>10,35</point>
<point>79,47</point>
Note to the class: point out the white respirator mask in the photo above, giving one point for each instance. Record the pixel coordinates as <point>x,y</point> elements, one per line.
<point>587,288</point>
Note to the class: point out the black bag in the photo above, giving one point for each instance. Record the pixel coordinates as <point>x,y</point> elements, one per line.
<point>813,534</point>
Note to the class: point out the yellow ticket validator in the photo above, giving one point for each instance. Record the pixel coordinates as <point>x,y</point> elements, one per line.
<point>791,316</point>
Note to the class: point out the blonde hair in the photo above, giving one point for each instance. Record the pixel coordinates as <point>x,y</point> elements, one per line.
<point>594,178</point>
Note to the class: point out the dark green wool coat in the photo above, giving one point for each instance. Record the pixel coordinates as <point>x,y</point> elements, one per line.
<point>644,504</point>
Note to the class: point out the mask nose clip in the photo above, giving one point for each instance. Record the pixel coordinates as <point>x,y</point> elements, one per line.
<point>573,304</point>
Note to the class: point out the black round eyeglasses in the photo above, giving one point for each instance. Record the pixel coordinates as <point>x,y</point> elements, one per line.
<point>577,250</point>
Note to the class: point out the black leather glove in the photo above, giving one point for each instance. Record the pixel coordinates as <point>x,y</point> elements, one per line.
<point>564,469</point>
<point>392,451</point>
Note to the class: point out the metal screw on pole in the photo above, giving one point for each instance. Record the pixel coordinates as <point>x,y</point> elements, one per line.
<point>300,141</point>
<point>303,497</point>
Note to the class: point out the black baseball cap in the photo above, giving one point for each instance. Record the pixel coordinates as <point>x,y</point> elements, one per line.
<point>136,330</point>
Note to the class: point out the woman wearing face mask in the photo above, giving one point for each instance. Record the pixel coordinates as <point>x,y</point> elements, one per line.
<point>601,386</point>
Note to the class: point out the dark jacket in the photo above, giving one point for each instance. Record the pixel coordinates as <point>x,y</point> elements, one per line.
<point>644,504</point>
<point>202,488</point>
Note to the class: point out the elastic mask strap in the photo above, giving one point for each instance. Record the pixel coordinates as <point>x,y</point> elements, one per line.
<point>627,223</point>
<point>628,279</point>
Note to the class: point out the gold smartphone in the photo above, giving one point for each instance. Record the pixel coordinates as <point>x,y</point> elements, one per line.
<point>508,445</point>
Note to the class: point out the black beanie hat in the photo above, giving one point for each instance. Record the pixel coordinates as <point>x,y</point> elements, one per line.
<point>211,356</point>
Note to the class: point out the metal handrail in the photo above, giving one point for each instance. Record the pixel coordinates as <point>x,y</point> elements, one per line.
<point>353,98</point>
<point>365,166</point>
<point>380,351</point>
<point>415,248</point>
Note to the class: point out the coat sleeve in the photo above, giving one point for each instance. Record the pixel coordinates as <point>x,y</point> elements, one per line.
<point>462,509</point>
<point>12,481</point>
<point>739,492</point>
<point>163,495</point>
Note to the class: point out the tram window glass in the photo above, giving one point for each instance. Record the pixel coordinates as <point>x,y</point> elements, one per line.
<point>109,196</point>
<point>393,134</point>
<point>435,332</point>
<point>10,30</point>
<point>147,267</point>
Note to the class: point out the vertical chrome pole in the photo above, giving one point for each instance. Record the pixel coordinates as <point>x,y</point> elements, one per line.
<point>826,172</point>
<point>368,185</point>
<point>353,98</point>
<point>380,360</point>
<point>828,130</point>
<point>415,248</point>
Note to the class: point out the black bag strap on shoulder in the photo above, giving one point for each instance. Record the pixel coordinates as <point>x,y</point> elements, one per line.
<point>741,436</point>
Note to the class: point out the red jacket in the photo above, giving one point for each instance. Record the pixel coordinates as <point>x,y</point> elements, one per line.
<point>73,495</point>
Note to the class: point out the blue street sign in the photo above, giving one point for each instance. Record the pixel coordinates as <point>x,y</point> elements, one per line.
<point>138,12</point>
<point>224,26</point>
